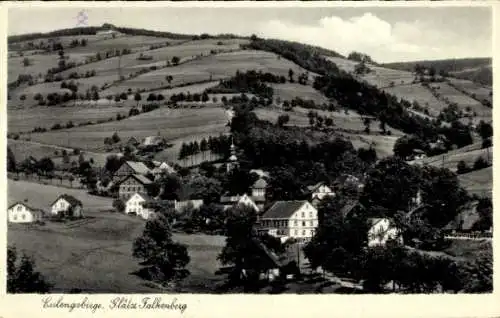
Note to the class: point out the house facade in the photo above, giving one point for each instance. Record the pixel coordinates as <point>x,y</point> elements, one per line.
<point>134,183</point>
<point>290,219</point>
<point>229,202</point>
<point>381,230</point>
<point>67,205</point>
<point>320,191</point>
<point>136,205</point>
<point>20,212</point>
<point>259,188</point>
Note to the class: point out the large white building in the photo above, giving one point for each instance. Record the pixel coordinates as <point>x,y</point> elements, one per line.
<point>20,212</point>
<point>290,219</point>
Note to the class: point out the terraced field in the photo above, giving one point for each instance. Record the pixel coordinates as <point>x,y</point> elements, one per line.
<point>170,123</point>
<point>213,67</point>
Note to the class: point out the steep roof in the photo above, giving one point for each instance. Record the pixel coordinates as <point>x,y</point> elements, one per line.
<point>70,199</point>
<point>347,208</point>
<point>283,209</point>
<point>144,196</point>
<point>260,184</point>
<point>27,206</point>
<point>316,186</point>
<point>138,167</point>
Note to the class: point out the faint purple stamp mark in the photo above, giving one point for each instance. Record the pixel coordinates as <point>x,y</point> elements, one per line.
<point>82,18</point>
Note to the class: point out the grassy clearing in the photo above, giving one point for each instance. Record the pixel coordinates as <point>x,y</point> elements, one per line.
<point>481,92</point>
<point>450,160</point>
<point>272,114</point>
<point>289,91</point>
<point>23,149</point>
<point>383,145</point>
<point>95,255</point>
<point>170,123</point>
<point>22,120</point>
<point>463,101</point>
<point>479,182</point>
<point>420,94</point>
<point>468,249</point>
<point>213,67</point>
<point>42,196</point>
<point>133,42</point>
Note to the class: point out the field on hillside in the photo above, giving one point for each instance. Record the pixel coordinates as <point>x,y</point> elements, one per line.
<point>289,91</point>
<point>213,67</point>
<point>23,149</point>
<point>95,254</point>
<point>479,182</point>
<point>463,101</point>
<point>22,120</point>
<point>133,42</point>
<point>383,145</point>
<point>170,123</point>
<point>420,94</point>
<point>481,92</point>
<point>42,196</point>
<point>450,160</point>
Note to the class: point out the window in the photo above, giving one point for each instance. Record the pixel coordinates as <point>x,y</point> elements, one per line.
<point>23,216</point>
<point>303,223</point>
<point>14,217</point>
<point>312,223</point>
<point>19,207</point>
<point>295,222</point>
<point>310,214</point>
<point>303,232</point>
<point>295,232</point>
<point>303,214</point>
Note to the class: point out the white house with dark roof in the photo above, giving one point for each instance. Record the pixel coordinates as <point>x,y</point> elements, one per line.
<point>259,188</point>
<point>136,204</point>
<point>320,190</point>
<point>230,201</point>
<point>20,212</point>
<point>290,219</point>
<point>381,230</point>
<point>68,205</point>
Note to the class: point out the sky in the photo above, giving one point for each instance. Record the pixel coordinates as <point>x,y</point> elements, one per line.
<point>387,34</point>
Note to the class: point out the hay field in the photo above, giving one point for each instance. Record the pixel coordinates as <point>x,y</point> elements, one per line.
<point>23,149</point>
<point>213,67</point>
<point>272,114</point>
<point>420,94</point>
<point>478,182</point>
<point>23,120</point>
<point>170,123</point>
<point>463,101</point>
<point>481,92</point>
<point>451,159</point>
<point>133,42</point>
<point>289,91</point>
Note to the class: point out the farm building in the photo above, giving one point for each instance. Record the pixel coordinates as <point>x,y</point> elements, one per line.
<point>290,219</point>
<point>20,212</point>
<point>129,168</point>
<point>153,141</point>
<point>259,188</point>
<point>319,191</point>
<point>134,183</point>
<point>161,167</point>
<point>67,205</point>
<point>229,202</point>
<point>136,204</point>
<point>381,230</point>
<point>179,206</point>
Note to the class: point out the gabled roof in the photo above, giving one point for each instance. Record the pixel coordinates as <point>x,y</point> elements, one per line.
<point>260,184</point>
<point>70,199</point>
<point>283,209</point>
<point>142,195</point>
<point>315,187</point>
<point>27,206</point>
<point>347,208</point>
<point>138,167</point>
<point>142,179</point>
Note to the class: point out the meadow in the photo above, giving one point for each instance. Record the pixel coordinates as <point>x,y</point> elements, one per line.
<point>416,92</point>
<point>289,91</point>
<point>451,159</point>
<point>463,101</point>
<point>170,123</point>
<point>213,67</point>
<point>478,182</point>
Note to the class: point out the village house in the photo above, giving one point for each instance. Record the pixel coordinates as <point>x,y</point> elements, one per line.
<point>161,168</point>
<point>381,230</point>
<point>129,168</point>
<point>290,219</point>
<point>229,202</point>
<point>136,204</point>
<point>153,141</point>
<point>319,191</point>
<point>349,181</point>
<point>67,205</point>
<point>20,212</point>
<point>180,206</point>
<point>259,188</point>
<point>134,183</point>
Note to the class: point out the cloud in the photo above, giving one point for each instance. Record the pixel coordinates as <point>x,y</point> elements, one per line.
<point>365,33</point>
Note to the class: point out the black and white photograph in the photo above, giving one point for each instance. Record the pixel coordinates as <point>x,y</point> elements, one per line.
<point>249,150</point>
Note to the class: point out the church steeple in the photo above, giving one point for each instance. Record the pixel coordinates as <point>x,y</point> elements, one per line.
<point>233,159</point>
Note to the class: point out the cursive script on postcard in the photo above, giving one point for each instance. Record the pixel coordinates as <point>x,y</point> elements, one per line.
<point>116,303</point>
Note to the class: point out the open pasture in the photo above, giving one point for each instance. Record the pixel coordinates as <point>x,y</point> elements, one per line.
<point>170,123</point>
<point>463,101</point>
<point>130,63</point>
<point>42,196</point>
<point>133,42</point>
<point>272,114</point>
<point>289,91</point>
<point>479,91</point>
<point>478,182</point>
<point>383,145</point>
<point>451,159</point>
<point>213,67</point>
<point>23,120</point>
<point>24,148</point>
<point>416,92</point>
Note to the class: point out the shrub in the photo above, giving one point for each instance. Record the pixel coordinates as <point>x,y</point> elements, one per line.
<point>119,205</point>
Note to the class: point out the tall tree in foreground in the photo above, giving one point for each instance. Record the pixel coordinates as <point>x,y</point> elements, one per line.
<point>163,259</point>
<point>11,160</point>
<point>21,275</point>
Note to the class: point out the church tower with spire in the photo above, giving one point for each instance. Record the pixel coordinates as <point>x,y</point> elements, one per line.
<point>233,159</point>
